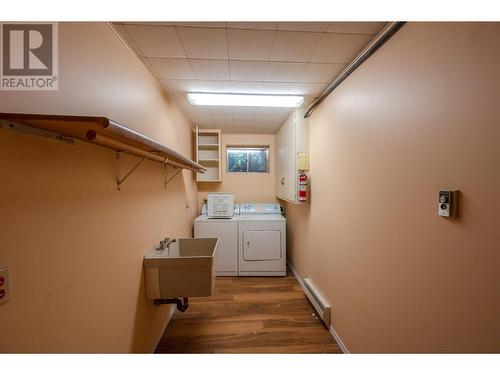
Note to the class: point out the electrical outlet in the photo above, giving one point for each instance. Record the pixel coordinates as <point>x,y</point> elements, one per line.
<point>4,285</point>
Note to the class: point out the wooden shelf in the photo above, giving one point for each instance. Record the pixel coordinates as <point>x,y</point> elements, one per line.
<point>107,133</point>
<point>208,146</point>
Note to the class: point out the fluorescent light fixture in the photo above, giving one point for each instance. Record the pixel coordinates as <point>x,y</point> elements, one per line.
<point>245,100</point>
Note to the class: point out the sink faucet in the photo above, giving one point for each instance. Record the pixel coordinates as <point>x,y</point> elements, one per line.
<point>165,243</point>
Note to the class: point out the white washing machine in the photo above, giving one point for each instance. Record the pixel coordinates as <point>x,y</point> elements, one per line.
<point>226,229</point>
<point>262,240</point>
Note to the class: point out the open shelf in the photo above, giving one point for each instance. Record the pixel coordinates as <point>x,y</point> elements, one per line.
<point>104,132</point>
<point>211,175</point>
<point>208,146</point>
<point>208,154</point>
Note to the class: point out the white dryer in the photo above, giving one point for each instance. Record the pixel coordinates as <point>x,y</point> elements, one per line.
<point>262,240</point>
<point>226,229</point>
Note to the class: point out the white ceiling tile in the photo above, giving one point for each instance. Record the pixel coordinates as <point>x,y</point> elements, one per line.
<point>156,41</point>
<point>198,111</point>
<point>284,71</point>
<point>220,111</point>
<point>313,89</point>
<point>203,43</point>
<point>264,125</point>
<point>236,130</point>
<point>242,118</point>
<point>180,85</point>
<point>222,120</point>
<point>292,57</point>
<point>304,26</point>
<point>356,27</point>
<point>247,129</point>
<point>339,48</point>
<point>246,87</point>
<point>281,118</point>
<point>247,70</point>
<point>262,111</point>
<point>252,25</point>
<point>244,111</point>
<point>172,68</point>
<point>321,73</point>
<point>264,118</point>
<point>244,125</point>
<point>250,44</point>
<point>265,128</point>
<point>214,86</point>
<point>220,25</point>
<point>210,69</point>
<point>277,87</point>
<point>294,46</point>
<point>226,129</point>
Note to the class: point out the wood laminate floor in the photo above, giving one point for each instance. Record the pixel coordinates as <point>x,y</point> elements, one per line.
<point>249,315</point>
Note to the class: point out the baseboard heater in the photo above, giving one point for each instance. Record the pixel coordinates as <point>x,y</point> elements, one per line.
<point>317,301</point>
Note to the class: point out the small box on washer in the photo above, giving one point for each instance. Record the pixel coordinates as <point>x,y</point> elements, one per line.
<point>220,205</point>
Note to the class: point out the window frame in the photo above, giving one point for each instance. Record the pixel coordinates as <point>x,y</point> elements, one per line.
<point>247,148</point>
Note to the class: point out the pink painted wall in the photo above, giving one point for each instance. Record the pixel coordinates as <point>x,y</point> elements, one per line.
<point>420,115</point>
<point>73,243</point>
<point>247,187</point>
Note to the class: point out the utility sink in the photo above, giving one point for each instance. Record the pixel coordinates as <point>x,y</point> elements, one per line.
<point>183,269</point>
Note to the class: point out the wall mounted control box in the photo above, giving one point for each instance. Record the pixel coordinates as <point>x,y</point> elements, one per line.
<point>447,203</point>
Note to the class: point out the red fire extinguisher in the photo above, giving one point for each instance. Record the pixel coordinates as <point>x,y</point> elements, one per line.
<point>302,187</point>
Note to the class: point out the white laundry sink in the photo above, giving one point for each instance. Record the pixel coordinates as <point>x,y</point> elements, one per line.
<point>183,269</point>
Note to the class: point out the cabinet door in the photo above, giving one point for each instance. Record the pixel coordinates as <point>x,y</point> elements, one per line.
<point>286,160</point>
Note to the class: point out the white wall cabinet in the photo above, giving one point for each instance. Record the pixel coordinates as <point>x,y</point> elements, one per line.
<point>291,139</point>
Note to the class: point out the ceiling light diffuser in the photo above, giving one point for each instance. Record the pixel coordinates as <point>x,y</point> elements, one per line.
<point>245,100</point>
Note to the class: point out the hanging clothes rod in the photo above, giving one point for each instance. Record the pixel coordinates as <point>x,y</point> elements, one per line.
<point>369,50</point>
<point>105,132</point>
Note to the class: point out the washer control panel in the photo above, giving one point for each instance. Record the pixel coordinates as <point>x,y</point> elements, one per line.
<point>260,208</point>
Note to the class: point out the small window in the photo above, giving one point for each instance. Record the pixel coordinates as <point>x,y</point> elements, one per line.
<point>247,159</point>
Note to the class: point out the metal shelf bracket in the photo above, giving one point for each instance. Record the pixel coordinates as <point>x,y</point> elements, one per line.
<point>120,181</point>
<point>167,181</point>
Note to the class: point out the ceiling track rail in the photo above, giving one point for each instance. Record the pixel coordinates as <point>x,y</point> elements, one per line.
<point>369,50</point>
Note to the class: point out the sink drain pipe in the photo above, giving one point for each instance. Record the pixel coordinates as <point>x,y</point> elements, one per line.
<point>181,303</point>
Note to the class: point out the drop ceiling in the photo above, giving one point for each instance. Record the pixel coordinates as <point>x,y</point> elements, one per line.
<point>299,58</point>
